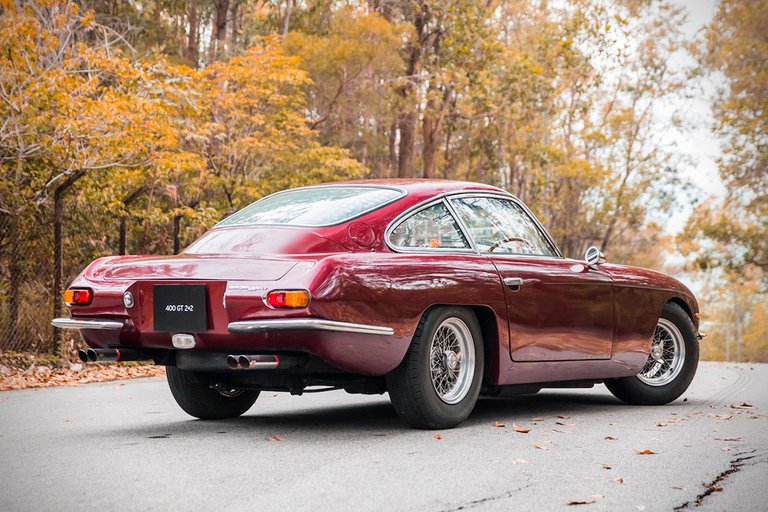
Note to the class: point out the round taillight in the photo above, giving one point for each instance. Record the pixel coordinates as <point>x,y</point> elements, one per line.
<point>128,300</point>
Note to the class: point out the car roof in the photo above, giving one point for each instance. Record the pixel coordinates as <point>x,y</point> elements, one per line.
<point>420,189</point>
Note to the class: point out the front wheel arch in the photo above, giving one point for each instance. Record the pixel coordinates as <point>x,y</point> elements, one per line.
<point>637,390</point>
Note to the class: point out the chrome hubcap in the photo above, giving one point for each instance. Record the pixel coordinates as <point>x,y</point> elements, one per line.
<point>452,360</point>
<point>665,361</point>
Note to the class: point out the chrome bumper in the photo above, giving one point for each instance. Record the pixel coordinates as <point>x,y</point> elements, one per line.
<point>248,326</point>
<point>307,324</point>
<point>73,323</point>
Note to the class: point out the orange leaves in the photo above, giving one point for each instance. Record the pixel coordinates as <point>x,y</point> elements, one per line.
<point>438,436</point>
<point>645,452</point>
<point>43,375</point>
<point>520,429</point>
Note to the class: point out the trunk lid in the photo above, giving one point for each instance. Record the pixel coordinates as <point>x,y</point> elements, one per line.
<point>195,266</point>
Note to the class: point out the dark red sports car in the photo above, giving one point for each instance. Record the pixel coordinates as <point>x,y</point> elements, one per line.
<point>434,291</point>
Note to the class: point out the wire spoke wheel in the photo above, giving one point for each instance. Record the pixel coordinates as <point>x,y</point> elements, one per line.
<point>667,355</point>
<point>452,360</point>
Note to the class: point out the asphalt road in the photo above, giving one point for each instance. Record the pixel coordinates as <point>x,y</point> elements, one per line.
<point>127,446</point>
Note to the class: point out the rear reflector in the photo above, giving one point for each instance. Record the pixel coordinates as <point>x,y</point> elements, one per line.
<point>78,296</point>
<point>288,298</point>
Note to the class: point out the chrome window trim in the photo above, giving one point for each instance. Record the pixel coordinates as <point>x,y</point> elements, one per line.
<point>446,199</point>
<point>306,324</point>
<point>526,211</point>
<point>395,223</point>
<point>402,192</point>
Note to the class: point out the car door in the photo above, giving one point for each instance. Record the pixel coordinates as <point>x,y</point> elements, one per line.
<point>558,308</point>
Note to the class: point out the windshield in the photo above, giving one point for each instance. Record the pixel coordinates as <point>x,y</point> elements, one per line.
<point>314,207</point>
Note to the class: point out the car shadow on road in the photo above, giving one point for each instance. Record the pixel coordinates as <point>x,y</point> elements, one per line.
<point>377,417</point>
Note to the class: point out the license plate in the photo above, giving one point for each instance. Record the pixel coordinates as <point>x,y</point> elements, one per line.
<point>180,307</point>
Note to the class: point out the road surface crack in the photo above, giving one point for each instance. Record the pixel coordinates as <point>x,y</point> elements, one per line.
<point>715,485</point>
<point>482,501</point>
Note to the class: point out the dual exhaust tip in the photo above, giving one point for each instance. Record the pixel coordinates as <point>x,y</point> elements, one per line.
<point>104,355</point>
<point>252,362</point>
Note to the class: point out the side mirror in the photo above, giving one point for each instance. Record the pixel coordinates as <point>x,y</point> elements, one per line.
<point>594,257</point>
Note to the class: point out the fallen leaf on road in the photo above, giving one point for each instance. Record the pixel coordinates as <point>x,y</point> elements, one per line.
<point>645,452</point>
<point>499,424</point>
<point>537,419</point>
<point>679,488</point>
<point>520,429</point>
<point>520,461</point>
<point>713,488</point>
<point>742,405</point>
<point>539,447</point>
<point>564,417</point>
<point>554,430</point>
<point>721,416</point>
<point>610,438</point>
<point>674,420</point>
<point>618,480</point>
<point>729,438</point>
<point>438,436</point>
<point>606,466</point>
<point>118,385</point>
<point>661,424</point>
<point>565,424</point>
<point>275,438</point>
<point>586,501</point>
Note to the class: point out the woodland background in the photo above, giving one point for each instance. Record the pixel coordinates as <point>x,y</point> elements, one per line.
<point>132,126</point>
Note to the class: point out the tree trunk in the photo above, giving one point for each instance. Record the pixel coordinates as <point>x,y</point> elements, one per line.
<point>192,52</point>
<point>176,231</point>
<point>287,17</point>
<point>219,32</point>
<point>407,130</point>
<point>408,119</point>
<point>431,127</point>
<point>393,157</point>
<point>123,230</point>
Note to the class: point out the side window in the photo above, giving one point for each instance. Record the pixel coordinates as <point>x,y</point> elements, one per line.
<point>501,226</point>
<point>432,227</point>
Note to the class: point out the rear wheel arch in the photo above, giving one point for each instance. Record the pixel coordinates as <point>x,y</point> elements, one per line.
<point>488,329</point>
<point>416,395</point>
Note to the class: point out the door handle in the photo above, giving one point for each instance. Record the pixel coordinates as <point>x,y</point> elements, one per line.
<point>514,283</point>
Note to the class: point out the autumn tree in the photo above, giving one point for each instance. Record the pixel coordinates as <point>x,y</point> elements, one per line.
<point>733,232</point>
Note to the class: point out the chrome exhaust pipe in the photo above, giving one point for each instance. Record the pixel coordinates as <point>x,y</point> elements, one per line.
<point>105,355</point>
<point>252,362</point>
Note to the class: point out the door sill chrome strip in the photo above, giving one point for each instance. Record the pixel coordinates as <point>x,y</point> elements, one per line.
<point>74,323</point>
<point>307,324</point>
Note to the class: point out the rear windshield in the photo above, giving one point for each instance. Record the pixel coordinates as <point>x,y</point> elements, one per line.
<point>319,206</point>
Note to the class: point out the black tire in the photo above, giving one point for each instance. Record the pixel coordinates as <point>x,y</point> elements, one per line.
<point>410,384</point>
<point>634,391</point>
<point>197,398</point>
